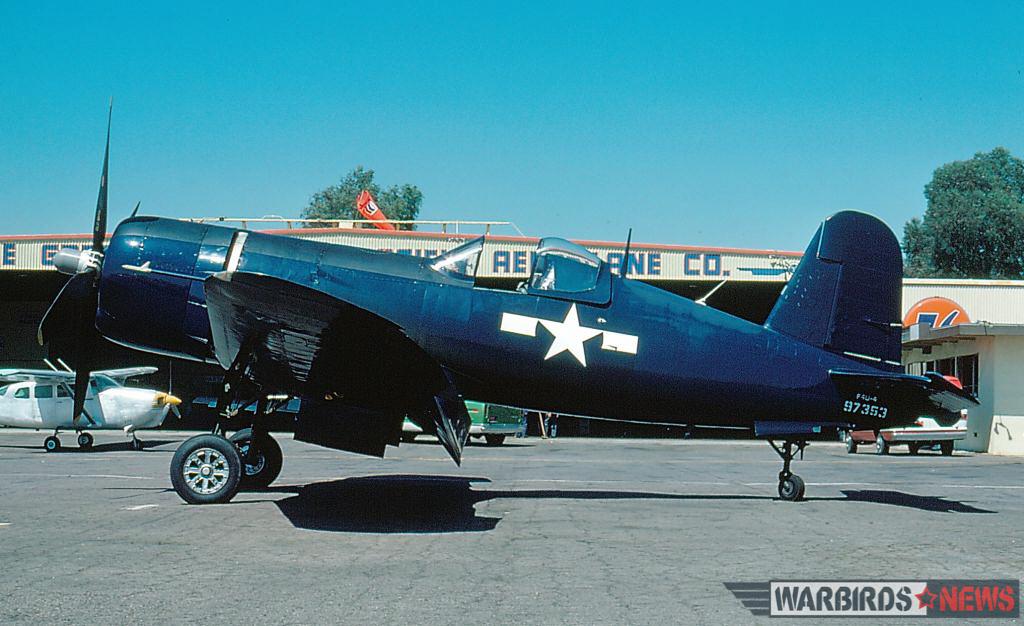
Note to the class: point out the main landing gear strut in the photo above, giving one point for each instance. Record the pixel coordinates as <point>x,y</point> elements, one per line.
<point>210,468</point>
<point>791,486</point>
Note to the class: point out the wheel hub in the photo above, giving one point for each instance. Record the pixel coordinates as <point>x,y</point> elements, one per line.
<point>205,471</point>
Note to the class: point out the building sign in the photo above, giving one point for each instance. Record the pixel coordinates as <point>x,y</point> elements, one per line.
<point>936,312</point>
<point>503,257</point>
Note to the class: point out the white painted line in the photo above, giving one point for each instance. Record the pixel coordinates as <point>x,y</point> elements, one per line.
<point>985,486</point>
<point>31,475</point>
<point>139,507</point>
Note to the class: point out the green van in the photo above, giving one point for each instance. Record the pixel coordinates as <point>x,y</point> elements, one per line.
<point>493,422</point>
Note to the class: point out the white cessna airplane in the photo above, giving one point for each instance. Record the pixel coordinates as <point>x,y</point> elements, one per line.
<point>42,399</point>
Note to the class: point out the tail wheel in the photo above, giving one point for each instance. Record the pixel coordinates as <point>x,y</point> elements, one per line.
<point>84,440</point>
<point>881,445</point>
<point>265,466</point>
<point>206,469</point>
<point>792,488</point>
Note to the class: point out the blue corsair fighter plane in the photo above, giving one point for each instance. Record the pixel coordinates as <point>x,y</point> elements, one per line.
<point>365,338</point>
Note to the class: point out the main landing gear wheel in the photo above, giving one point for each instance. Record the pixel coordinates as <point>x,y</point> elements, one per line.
<point>494,440</point>
<point>261,465</point>
<point>206,469</point>
<point>51,443</point>
<point>913,448</point>
<point>851,445</point>
<point>946,448</point>
<point>84,441</point>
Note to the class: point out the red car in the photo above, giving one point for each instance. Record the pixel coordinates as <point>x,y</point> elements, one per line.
<point>924,433</point>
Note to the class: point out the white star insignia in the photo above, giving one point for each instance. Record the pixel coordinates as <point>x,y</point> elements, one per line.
<point>569,336</point>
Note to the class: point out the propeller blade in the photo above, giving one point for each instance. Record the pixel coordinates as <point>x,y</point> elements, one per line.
<point>99,227</point>
<point>65,310</point>
<point>81,389</point>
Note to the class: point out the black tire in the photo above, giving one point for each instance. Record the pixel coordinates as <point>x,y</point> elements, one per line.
<point>946,448</point>
<point>206,469</point>
<point>792,489</point>
<point>267,466</point>
<point>914,448</point>
<point>51,444</point>
<point>494,440</point>
<point>881,445</point>
<point>84,441</point>
<point>851,445</point>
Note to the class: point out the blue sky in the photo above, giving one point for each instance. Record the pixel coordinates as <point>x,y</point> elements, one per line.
<point>727,124</point>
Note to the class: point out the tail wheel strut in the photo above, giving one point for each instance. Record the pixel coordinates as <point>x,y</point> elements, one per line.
<point>791,486</point>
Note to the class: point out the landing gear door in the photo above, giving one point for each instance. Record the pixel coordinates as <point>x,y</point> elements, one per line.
<point>568,271</point>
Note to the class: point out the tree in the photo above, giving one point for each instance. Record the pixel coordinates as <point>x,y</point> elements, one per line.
<point>974,224</point>
<point>338,202</point>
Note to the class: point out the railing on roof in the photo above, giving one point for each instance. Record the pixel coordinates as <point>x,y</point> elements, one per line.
<point>453,226</point>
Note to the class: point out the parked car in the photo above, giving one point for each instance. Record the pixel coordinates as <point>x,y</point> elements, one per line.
<point>925,433</point>
<point>493,422</point>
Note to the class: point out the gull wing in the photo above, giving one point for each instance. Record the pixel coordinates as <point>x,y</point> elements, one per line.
<point>358,373</point>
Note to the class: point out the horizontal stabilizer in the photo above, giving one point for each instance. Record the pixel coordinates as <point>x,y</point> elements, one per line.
<point>896,399</point>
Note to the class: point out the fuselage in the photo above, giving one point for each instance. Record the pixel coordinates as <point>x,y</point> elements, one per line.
<point>640,354</point>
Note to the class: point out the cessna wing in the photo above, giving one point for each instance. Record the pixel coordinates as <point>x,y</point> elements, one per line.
<point>24,375</point>
<point>122,374</point>
<point>359,374</point>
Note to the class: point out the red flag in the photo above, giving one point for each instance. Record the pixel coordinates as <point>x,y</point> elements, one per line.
<point>368,208</point>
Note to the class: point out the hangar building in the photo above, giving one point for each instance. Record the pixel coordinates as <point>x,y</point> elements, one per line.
<point>970,328</point>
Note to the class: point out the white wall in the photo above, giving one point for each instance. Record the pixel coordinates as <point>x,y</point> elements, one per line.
<point>979,419</point>
<point>1006,435</point>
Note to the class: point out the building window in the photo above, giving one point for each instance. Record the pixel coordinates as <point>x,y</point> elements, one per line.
<point>965,368</point>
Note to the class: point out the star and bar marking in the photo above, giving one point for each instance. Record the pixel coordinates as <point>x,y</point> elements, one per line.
<point>569,335</point>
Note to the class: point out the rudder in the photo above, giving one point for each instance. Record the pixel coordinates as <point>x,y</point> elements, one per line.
<point>845,294</point>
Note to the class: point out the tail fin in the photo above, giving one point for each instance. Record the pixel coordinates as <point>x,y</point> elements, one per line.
<point>845,294</point>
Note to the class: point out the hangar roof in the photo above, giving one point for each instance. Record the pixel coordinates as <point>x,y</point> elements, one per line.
<point>922,335</point>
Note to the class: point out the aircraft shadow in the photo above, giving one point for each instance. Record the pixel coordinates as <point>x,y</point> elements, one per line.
<point>120,446</point>
<point>444,504</point>
<point>934,504</point>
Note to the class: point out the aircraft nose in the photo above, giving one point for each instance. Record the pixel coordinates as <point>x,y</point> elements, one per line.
<point>161,399</point>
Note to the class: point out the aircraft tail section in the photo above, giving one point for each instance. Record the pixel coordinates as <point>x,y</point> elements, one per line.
<point>845,294</point>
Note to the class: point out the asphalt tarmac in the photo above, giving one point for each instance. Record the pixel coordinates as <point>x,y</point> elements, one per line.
<point>536,531</point>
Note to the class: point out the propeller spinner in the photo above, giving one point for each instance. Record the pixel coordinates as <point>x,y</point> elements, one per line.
<point>74,309</point>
